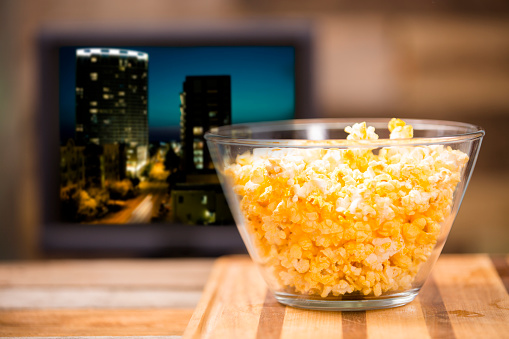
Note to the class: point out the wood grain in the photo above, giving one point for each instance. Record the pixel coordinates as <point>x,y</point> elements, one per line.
<point>170,283</point>
<point>232,301</point>
<point>304,324</point>
<point>464,298</point>
<point>404,320</point>
<point>474,296</point>
<point>271,318</point>
<point>95,297</point>
<point>354,325</point>
<point>502,266</point>
<point>56,323</point>
<point>180,273</point>
<point>100,297</point>
<point>434,311</point>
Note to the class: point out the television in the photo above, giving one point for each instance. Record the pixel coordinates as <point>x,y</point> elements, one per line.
<point>123,166</point>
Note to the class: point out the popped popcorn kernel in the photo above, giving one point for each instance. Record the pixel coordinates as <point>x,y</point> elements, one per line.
<point>361,132</point>
<point>400,130</point>
<point>395,123</point>
<point>329,222</point>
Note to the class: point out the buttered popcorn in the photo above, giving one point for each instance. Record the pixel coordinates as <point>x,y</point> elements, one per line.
<point>329,221</point>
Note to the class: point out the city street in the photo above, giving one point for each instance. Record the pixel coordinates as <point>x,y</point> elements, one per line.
<point>140,209</point>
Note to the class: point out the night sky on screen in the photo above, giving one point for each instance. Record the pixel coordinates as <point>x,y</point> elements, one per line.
<point>262,83</point>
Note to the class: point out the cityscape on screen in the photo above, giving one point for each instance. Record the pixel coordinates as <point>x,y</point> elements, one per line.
<point>132,127</point>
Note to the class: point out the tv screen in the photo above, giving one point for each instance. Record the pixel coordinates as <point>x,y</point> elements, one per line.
<point>124,162</point>
<point>132,121</point>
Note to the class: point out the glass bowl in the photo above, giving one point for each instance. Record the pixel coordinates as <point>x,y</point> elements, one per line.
<point>337,224</point>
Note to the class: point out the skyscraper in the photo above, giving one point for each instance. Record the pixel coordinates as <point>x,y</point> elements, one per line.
<point>112,100</point>
<point>205,104</point>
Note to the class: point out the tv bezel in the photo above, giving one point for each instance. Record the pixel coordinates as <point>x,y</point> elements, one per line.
<point>153,239</point>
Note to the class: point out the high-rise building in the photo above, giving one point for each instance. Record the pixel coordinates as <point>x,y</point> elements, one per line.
<point>104,163</point>
<point>72,165</point>
<point>205,104</point>
<point>112,101</point>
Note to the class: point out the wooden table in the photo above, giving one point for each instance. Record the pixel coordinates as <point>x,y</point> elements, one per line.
<point>100,297</point>
<point>466,297</point>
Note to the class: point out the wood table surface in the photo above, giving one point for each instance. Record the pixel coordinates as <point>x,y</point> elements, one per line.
<point>465,297</point>
<point>87,298</point>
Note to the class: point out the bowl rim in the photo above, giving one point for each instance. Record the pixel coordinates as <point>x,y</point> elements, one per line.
<point>224,134</point>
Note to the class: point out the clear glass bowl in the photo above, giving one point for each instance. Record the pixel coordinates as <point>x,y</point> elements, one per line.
<point>338,224</point>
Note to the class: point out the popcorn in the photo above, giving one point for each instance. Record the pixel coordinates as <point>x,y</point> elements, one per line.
<point>400,130</point>
<point>330,222</point>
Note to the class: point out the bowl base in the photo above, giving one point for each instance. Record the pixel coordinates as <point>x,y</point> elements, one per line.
<point>394,300</point>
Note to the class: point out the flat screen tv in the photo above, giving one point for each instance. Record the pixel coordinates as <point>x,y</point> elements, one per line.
<point>124,168</point>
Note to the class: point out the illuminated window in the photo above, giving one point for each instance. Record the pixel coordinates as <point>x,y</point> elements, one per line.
<point>106,89</point>
<point>198,144</point>
<point>122,64</point>
<point>93,103</point>
<point>198,162</point>
<point>197,130</point>
<point>79,92</point>
<point>127,129</point>
<point>121,94</point>
<point>106,121</point>
<point>204,200</point>
<point>94,140</point>
<point>212,114</point>
<point>93,110</point>
<point>134,76</point>
<point>94,76</point>
<point>93,59</point>
<point>79,128</point>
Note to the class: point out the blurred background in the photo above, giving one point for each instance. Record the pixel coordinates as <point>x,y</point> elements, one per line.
<point>421,59</point>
